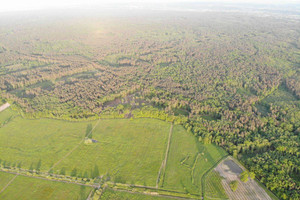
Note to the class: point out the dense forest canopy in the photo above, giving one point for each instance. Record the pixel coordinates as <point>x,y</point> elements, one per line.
<point>232,79</point>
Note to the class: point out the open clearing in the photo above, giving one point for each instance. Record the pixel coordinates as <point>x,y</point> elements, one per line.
<point>250,190</point>
<point>30,188</point>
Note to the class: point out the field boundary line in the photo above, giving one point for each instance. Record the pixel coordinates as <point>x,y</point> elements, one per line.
<point>164,162</point>
<point>153,188</point>
<point>47,179</point>
<point>194,167</point>
<point>69,153</point>
<point>149,194</point>
<point>3,189</point>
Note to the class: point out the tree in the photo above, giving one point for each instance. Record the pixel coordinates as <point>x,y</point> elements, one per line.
<point>244,176</point>
<point>95,172</point>
<point>252,175</point>
<point>234,185</point>
<point>62,171</point>
<point>38,166</point>
<point>88,132</point>
<point>74,172</point>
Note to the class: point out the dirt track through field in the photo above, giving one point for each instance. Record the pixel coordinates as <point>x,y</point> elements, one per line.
<point>164,162</point>
<point>69,153</point>
<point>250,190</point>
<point>9,183</point>
<point>157,195</point>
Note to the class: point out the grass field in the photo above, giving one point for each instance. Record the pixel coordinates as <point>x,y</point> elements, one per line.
<point>38,143</point>
<point>4,179</point>
<point>36,189</point>
<point>130,151</point>
<point>118,195</point>
<point>213,186</point>
<point>6,116</point>
<point>123,150</point>
<point>188,161</point>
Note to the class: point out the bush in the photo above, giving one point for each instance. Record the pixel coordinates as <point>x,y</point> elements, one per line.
<point>234,185</point>
<point>244,176</point>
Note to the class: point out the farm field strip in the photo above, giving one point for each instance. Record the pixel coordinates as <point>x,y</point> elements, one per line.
<point>163,164</point>
<point>171,194</point>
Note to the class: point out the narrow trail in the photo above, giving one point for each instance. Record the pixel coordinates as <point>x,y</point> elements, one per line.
<point>164,162</point>
<point>9,183</point>
<point>4,106</point>
<point>71,151</point>
<point>156,195</point>
<point>90,195</point>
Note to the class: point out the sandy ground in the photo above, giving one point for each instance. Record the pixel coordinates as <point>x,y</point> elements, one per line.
<point>4,106</point>
<point>230,171</point>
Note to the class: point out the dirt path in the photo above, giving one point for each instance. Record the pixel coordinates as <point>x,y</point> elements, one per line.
<point>164,162</point>
<point>158,195</point>
<point>69,153</point>
<point>90,195</point>
<point>4,106</point>
<point>9,183</point>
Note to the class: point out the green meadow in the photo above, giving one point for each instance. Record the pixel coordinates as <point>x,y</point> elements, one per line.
<point>38,144</point>
<point>187,162</point>
<point>27,188</point>
<point>120,150</point>
<point>213,186</point>
<point>128,151</point>
<point>6,116</point>
<point>4,179</point>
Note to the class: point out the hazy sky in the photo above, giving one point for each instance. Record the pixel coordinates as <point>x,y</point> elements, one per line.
<point>12,5</point>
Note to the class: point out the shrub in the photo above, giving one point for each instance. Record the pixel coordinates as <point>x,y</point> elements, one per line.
<point>234,185</point>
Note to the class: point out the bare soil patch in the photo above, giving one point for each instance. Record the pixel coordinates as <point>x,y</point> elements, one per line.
<point>250,190</point>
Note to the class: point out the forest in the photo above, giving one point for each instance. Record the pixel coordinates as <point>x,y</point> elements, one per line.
<point>230,79</point>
